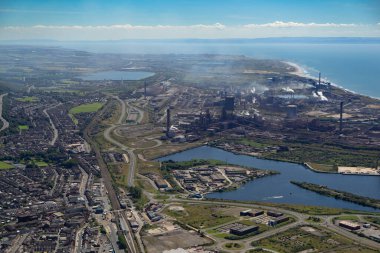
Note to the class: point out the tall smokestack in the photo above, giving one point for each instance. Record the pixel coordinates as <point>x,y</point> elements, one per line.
<point>341,117</point>
<point>144,89</point>
<point>167,121</point>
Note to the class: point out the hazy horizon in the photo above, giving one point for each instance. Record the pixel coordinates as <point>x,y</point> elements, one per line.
<point>116,20</point>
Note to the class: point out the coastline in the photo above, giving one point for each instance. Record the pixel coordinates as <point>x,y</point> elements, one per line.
<point>301,72</point>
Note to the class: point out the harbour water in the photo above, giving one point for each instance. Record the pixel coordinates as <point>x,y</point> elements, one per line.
<point>278,188</point>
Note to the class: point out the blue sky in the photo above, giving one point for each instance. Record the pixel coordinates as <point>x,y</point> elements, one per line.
<point>26,19</point>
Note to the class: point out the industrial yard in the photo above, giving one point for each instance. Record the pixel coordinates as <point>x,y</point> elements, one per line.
<point>79,158</point>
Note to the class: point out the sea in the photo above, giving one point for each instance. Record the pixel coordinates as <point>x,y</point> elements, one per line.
<point>353,66</point>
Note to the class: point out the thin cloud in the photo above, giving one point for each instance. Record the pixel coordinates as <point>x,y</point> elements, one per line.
<point>217,26</point>
<point>216,30</point>
<point>2,10</point>
<point>281,24</point>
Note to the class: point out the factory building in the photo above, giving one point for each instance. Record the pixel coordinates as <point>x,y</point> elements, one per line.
<point>228,107</point>
<point>245,213</point>
<point>349,225</point>
<point>160,183</point>
<point>277,221</point>
<point>168,123</point>
<point>274,214</point>
<point>244,231</point>
<point>229,103</point>
<point>251,213</point>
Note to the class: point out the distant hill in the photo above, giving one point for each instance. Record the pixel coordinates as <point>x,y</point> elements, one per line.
<point>313,40</point>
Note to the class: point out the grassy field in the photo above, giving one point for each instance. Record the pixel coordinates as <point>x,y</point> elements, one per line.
<point>348,217</point>
<point>84,108</point>
<point>202,216</point>
<point>144,184</point>
<point>323,167</point>
<point>310,210</point>
<point>41,163</point>
<point>91,107</point>
<point>252,143</point>
<point>5,166</point>
<point>233,246</point>
<point>375,220</point>
<point>257,250</point>
<point>23,127</point>
<point>318,240</point>
<point>28,99</point>
<point>324,156</point>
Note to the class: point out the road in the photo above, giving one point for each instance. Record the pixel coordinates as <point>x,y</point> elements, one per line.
<point>301,219</point>
<point>131,155</point>
<point>329,224</point>
<point>17,243</point>
<point>78,239</point>
<point>107,135</point>
<point>5,124</point>
<point>55,131</point>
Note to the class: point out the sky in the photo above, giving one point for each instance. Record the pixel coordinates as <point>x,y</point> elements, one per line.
<point>171,19</point>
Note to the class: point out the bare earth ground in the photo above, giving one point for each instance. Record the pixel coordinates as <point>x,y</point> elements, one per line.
<point>173,240</point>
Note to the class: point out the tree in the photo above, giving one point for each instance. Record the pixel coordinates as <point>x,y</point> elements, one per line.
<point>135,192</point>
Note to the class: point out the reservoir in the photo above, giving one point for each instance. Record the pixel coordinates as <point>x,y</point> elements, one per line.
<point>278,188</point>
<point>117,75</point>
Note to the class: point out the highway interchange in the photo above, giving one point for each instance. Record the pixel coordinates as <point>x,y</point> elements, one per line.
<point>301,219</point>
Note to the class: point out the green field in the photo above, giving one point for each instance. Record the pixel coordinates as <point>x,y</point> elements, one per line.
<point>375,220</point>
<point>201,216</point>
<point>91,107</point>
<point>348,217</point>
<point>84,108</point>
<point>28,99</point>
<point>41,163</point>
<point>323,167</point>
<point>5,166</point>
<point>23,127</point>
<point>318,240</point>
<point>322,156</point>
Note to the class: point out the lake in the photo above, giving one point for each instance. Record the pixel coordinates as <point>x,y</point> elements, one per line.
<point>117,75</point>
<point>278,188</point>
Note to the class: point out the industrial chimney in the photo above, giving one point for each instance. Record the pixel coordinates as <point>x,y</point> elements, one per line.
<point>144,89</point>
<point>167,122</point>
<point>341,117</point>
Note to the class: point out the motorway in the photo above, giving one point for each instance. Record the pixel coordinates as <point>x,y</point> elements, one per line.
<point>5,124</point>
<point>120,122</point>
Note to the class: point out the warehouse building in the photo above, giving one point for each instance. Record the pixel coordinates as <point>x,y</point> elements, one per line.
<point>243,231</point>
<point>349,225</point>
<point>274,214</point>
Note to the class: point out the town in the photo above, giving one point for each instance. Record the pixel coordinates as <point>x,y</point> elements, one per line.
<point>81,167</point>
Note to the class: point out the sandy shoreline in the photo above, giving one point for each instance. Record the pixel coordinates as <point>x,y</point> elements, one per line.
<point>299,70</point>
<point>303,73</point>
